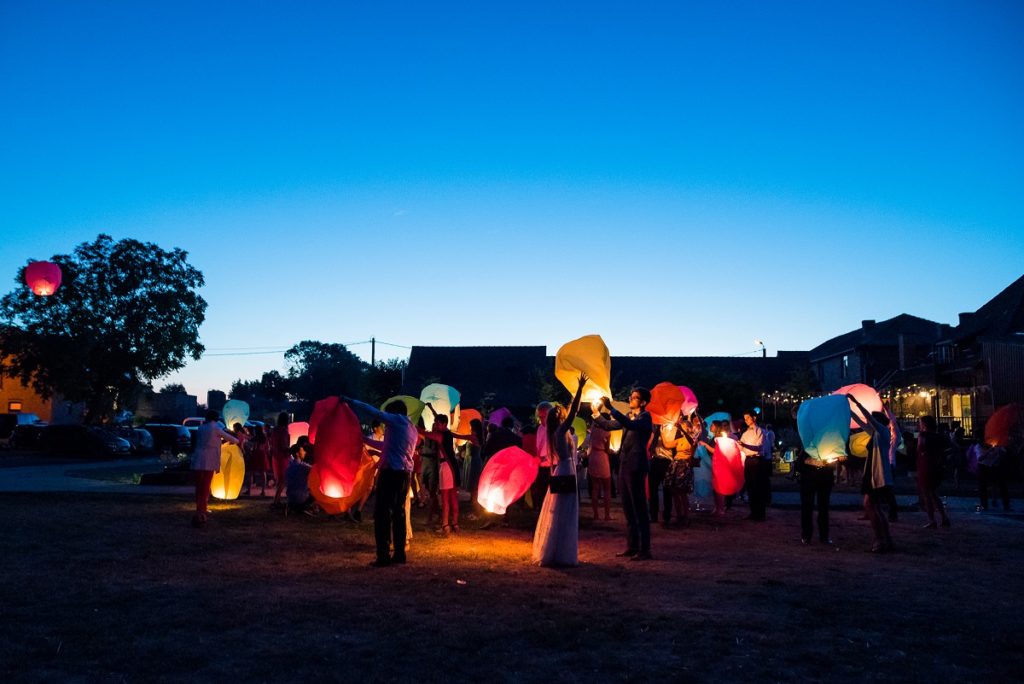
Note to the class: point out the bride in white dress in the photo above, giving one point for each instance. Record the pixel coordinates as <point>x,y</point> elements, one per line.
<point>556,539</point>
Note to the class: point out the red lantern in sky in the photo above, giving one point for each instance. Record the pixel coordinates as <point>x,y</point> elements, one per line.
<point>505,478</point>
<point>43,277</point>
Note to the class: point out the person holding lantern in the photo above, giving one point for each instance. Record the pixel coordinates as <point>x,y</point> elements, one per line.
<point>206,462</point>
<point>539,489</point>
<point>556,537</point>
<point>680,476</point>
<point>395,470</point>
<point>877,481</point>
<point>636,428</point>
<point>448,480</point>
<point>599,470</point>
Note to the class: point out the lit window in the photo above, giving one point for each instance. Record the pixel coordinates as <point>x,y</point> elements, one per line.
<point>844,370</point>
<point>14,407</point>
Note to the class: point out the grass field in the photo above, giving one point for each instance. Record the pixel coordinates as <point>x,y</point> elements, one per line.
<point>120,588</point>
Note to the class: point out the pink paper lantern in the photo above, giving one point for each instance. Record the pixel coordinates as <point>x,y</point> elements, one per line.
<point>505,478</point>
<point>43,277</point>
<point>727,466</point>
<point>866,395</point>
<point>690,403</point>
<point>296,430</point>
<point>499,415</point>
<point>665,404</point>
<point>339,446</point>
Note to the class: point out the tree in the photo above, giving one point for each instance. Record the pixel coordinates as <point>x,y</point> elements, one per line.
<point>173,388</point>
<point>127,313</point>
<point>320,369</point>
<point>384,380</point>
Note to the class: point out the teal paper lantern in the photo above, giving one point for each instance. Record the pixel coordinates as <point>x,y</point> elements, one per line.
<point>824,426</point>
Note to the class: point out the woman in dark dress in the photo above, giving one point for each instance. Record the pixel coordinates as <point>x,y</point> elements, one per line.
<point>931,451</point>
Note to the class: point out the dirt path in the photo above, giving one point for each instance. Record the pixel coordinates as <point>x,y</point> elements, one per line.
<point>105,588</point>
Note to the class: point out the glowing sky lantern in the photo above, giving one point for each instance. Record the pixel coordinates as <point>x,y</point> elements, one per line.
<point>615,436</point>
<point>666,403</point>
<point>227,483</point>
<point>413,406</point>
<point>824,426</point>
<point>1004,424</point>
<point>362,483</point>
<point>234,411</point>
<point>727,466</point>
<point>865,395</point>
<point>445,401</point>
<point>505,478</point>
<point>339,446</point>
<point>42,277</point>
<point>690,402</point>
<point>580,427</point>
<point>859,443</point>
<point>466,417</point>
<point>296,430</point>
<point>588,355</point>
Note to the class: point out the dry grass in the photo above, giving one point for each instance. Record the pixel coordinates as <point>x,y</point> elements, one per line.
<point>104,588</point>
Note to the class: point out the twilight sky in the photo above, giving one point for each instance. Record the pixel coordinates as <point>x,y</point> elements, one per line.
<point>679,179</point>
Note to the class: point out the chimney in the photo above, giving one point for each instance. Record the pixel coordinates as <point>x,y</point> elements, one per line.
<point>870,323</point>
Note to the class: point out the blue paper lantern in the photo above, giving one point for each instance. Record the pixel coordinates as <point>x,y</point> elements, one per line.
<point>824,426</point>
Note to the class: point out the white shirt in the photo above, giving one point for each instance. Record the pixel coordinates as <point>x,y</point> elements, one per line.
<point>752,441</point>
<point>208,441</point>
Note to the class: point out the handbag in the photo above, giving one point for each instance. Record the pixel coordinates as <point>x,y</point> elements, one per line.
<point>562,484</point>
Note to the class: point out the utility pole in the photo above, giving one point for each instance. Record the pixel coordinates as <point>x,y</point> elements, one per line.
<point>373,351</point>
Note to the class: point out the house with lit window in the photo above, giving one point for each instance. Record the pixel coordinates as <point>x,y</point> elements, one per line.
<point>15,397</point>
<point>877,350</point>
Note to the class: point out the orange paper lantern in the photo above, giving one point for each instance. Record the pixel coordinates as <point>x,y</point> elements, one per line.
<point>1004,424</point>
<point>362,483</point>
<point>505,478</point>
<point>666,403</point>
<point>43,277</point>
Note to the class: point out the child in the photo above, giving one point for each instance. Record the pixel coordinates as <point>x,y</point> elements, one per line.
<point>296,477</point>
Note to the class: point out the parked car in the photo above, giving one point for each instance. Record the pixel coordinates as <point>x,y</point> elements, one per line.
<point>140,439</point>
<point>174,438</point>
<point>82,440</point>
<point>26,436</point>
<point>10,421</point>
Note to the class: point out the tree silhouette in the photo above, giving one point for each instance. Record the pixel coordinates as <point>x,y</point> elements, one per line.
<point>126,314</point>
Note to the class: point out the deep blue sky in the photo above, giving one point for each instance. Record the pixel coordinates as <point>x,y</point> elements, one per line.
<point>458,173</point>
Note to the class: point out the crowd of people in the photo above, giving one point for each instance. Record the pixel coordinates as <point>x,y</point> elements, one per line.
<point>654,471</point>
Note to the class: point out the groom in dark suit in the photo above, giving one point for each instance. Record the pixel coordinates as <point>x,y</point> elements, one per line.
<point>636,433</point>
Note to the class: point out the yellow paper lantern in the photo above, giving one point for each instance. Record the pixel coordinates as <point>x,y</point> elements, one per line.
<point>589,355</point>
<point>859,442</point>
<point>227,483</point>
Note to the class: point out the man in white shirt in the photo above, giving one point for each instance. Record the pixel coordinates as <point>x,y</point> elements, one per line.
<point>756,467</point>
